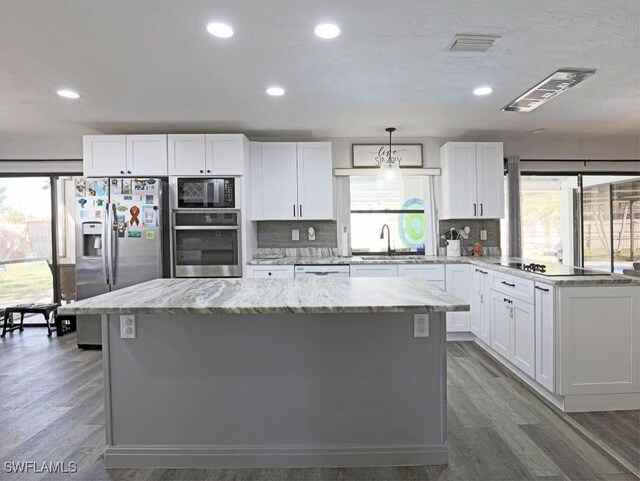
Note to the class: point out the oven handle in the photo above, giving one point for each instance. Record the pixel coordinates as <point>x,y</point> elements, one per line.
<point>206,227</point>
<point>206,210</point>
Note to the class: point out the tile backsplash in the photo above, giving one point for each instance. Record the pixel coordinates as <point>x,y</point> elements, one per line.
<point>492,226</point>
<point>277,234</point>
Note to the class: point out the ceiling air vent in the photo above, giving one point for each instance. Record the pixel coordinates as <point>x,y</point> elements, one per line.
<point>558,82</point>
<point>473,43</point>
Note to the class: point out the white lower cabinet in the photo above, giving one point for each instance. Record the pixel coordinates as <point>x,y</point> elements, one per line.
<point>513,330</point>
<point>371,270</point>
<point>500,324</point>
<point>545,335</point>
<point>523,336</point>
<point>458,283</point>
<point>433,273</point>
<point>481,304</point>
<point>266,272</point>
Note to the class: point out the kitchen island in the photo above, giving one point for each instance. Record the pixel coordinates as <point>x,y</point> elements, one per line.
<point>278,372</point>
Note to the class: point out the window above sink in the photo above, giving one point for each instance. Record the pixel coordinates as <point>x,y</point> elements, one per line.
<point>399,203</point>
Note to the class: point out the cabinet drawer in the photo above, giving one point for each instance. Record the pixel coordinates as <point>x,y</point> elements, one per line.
<point>434,272</point>
<point>384,270</point>
<point>270,272</point>
<point>513,286</point>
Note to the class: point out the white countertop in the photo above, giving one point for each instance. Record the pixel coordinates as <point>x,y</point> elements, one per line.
<point>269,296</point>
<point>482,261</point>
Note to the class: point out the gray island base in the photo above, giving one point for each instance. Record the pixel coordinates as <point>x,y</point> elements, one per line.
<point>275,373</point>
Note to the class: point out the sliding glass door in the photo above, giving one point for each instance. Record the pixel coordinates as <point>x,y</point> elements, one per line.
<point>611,222</point>
<point>582,219</point>
<point>25,241</point>
<point>549,224</point>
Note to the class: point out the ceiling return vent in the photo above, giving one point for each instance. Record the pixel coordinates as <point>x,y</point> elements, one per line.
<point>555,84</point>
<point>463,42</point>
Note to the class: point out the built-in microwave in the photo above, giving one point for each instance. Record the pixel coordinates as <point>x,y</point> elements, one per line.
<point>203,192</point>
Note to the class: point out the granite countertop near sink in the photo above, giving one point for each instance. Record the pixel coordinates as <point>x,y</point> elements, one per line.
<point>272,296</point>
<point>349,260</point>
<point>482,261</point>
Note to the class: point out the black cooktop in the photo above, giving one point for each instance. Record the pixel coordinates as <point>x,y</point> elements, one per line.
<point>552,269</point>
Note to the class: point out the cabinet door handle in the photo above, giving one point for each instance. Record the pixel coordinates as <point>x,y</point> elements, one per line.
<point>294,210</point>
<point>128,171</point>
<point>542,289</point>
<point>475,211</point>
<point>122,171</point>
<point>300,210</point>
<point>483,272</point>
<point>481,210</point>
<point>208,171</point>
<point>507,284</point>
<point>202,171</point>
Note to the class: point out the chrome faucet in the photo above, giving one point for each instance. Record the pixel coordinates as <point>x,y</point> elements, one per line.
<point>389,251</point>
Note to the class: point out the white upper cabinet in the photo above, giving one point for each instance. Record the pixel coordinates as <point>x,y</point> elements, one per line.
<point>315,181</point>
<point>124,155</point>
<point>296,181</point>
<point>472,180</point>
<point>104,155</point>
<point>458,160</point>
<point>208,154</point>
<point>279,181</point>
<point>490,179</point>
<point>226,154</point>
<point>147,155</point>
<point>186,154</point>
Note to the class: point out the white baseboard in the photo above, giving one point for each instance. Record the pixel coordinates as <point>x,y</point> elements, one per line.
<point>274,456</point>
<point>601,402</point>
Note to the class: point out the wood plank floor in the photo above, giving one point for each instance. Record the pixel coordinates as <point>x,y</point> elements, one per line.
<point>617,432</point>
<point>51,410</point>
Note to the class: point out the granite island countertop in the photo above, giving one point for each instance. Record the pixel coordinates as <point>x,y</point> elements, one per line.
<point>481,261</point>
<point>271,296</point>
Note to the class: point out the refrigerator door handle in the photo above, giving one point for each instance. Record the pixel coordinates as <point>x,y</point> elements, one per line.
<point>105,244</point>
<point>113,245</point>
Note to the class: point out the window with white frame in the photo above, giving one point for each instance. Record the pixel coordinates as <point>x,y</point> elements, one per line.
<point>400,204</point>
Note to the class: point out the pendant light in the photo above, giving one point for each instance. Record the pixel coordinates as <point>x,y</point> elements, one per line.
<point>390,169</point>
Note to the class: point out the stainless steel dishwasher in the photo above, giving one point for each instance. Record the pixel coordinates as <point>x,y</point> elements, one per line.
<point>322,271</point>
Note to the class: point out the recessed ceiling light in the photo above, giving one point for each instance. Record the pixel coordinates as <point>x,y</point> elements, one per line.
<point>482,91</point>
<point>68,94</point>
<point>327,31</point>
<point>220,30</point>
<point>275,91</point>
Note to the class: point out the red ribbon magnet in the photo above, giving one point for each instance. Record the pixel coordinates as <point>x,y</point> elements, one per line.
<point>135,212</point>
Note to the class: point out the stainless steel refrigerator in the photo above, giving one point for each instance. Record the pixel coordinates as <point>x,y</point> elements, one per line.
<point>120,240</point>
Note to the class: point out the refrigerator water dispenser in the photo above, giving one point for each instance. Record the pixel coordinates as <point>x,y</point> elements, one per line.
<point>92,239</point>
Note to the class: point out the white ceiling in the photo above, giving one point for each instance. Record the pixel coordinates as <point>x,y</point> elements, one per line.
<point>151,66</point>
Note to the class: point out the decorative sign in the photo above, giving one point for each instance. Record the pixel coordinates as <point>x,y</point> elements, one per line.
<point>373,155</point>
